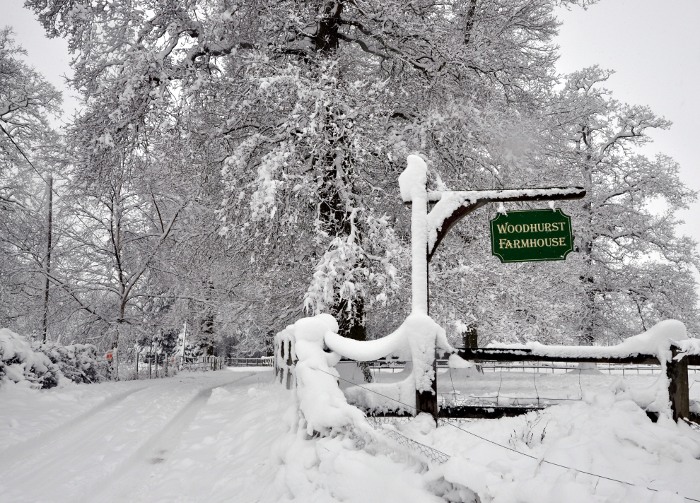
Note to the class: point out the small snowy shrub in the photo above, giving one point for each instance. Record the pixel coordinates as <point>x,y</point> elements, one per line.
<point>78,362</point>
<point>528,433</point>
<point>20,363</point>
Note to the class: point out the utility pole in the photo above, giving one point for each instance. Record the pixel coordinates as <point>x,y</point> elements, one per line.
<point>184,342</point>
<point>47,258</point>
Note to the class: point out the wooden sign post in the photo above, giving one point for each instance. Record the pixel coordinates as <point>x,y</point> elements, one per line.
<point>448,207</point>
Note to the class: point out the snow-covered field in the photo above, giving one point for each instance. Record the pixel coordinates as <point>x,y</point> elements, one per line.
<point>231,436</point>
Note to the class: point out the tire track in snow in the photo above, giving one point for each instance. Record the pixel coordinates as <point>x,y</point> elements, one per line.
<point>62,464</point>
<point>154,451</point>
<point>71,424</point>
<point>42,469</point>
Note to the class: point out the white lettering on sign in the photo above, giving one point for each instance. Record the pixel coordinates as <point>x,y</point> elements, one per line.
<point>521,228</point>
<point>505,244</point>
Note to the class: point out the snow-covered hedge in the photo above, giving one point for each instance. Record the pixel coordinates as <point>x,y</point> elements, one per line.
<point>78,362</point>
<point>20,363</point>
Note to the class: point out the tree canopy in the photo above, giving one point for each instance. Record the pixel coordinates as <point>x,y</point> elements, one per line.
<point>236,163</point>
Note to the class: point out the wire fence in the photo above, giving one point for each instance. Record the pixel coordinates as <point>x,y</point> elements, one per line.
<point>520,384</point>
<point>380,366</point>
<point>422,450</point>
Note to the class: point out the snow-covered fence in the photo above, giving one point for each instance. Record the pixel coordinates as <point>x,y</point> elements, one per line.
<point>415,341</point>
<point>665,345</point>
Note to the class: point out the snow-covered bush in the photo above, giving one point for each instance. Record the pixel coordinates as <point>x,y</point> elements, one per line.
<point>78,362</point>
<point>20,363</point>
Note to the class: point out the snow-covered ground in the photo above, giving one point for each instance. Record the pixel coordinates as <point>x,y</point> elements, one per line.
<point>231,436</point>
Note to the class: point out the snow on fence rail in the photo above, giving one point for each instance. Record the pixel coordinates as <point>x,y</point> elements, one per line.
<point>665,345</point>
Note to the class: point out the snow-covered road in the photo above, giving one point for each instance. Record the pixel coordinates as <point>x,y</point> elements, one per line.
<point>180,439</point>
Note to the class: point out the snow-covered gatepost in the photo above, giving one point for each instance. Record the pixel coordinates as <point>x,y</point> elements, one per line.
<point>428,229</point>
<point>412,183</point>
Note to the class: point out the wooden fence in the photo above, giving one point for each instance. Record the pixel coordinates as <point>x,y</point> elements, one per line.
<point>202,363</point>
<point>265,361</point>
<point>676,371</point>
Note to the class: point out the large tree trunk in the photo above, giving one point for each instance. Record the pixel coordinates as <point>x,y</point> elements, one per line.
<point>587,279</point>
<point>334,210</point>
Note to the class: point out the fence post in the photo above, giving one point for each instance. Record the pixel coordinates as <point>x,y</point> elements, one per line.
<point>280,368</point>
<point>289,363</point>
<point>471,337</point>
<point>426,401</point>
<point>677,373</point>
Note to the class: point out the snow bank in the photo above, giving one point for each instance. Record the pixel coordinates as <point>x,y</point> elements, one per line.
<point>19,363</point>
<point>243,444</point>
<point>514,460</point>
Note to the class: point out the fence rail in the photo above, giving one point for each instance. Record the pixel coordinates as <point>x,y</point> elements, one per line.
<point>265,361</point>
<point>202,363</point>
<point>676,371</point>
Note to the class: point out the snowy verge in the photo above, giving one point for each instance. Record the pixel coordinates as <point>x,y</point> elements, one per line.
<point>243,444</point>
<point>549,456</point>
<point>78,362</point>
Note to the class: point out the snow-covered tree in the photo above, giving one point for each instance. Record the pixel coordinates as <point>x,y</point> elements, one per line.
<point>28,154</point>
<point>282,127</point>
<point>628,228</point>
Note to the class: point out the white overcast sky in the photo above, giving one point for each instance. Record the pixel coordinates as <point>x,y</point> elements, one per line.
<point>652,45</point>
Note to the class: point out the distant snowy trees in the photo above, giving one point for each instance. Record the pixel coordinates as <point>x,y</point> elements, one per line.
<point>29,152</point>
<point>236,163</point>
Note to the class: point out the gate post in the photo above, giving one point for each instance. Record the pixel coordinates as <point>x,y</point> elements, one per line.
<point>281,368</point>
<point>426,401</point>
<point>471,337</point>
<point>677,373</point>
<point>412,183</point>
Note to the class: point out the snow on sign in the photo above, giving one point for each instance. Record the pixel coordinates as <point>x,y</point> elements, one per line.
<point>531,235</point>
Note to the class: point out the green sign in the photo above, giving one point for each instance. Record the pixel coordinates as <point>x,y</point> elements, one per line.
<point>531,235</point>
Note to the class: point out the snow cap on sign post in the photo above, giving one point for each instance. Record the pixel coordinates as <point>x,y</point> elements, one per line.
<point>414,177</point>
<point>412,184</point>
